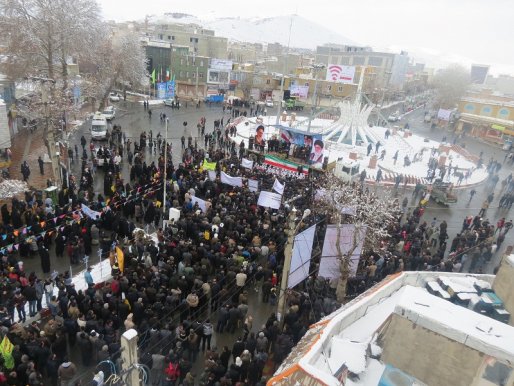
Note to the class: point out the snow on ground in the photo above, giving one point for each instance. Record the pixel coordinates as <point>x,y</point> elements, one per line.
<point>10,188</point>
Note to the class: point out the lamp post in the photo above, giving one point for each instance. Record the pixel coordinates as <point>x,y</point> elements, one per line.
<point>288,254</point>
<point>164,177</point>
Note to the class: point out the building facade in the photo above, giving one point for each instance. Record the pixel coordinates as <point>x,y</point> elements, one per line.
<point>488,116</point>
<point>190,73</point>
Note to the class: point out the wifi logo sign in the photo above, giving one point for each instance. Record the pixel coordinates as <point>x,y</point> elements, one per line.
<point>335,72</point>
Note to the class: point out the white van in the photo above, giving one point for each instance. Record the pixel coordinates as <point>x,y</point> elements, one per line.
<point>99,127</point>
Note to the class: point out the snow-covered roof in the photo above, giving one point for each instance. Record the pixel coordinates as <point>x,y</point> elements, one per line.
<point>344,336</point>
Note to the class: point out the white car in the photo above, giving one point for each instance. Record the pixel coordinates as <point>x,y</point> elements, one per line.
<point>269,102</point>
<point>109,113</point>
<point>393,118</point>
<point>114,97</point>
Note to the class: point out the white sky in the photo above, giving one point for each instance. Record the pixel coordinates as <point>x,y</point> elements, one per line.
<point>480,31</point>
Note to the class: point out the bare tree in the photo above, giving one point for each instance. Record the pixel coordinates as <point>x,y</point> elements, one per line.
<point>121,60</point>
<point>450,85</point>
<point>349,204</point>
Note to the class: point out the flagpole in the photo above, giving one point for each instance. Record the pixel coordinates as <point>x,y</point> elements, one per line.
<point>165,171</point>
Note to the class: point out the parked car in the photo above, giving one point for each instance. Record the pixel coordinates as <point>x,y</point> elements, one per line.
<point>169,102</point>
<point>269,102</point>
<point>109,113</point>
<point>393,118</point>
<point>114,97</point>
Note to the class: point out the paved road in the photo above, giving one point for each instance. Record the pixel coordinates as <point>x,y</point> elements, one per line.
<point>455,214</point>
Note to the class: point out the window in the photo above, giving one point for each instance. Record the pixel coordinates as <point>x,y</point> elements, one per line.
<point>193,74</point>
<point>201,63</point>
<point>172,37</point>
<point>306,84</point>
<point>329,88</point>
<point>181,61</point>
<point>193,40</point>
<point>503,113</point>
<point>340,88</point>
<point>486,110</point>
<point>169,37</point>
<point>469,107</point>
<point>375,61</point>
<point>161,36</point>
<point>268,81</point>
<point>187,74</point>
<point>358,60</point>
<point>200,74</point>
<point>181,74</point>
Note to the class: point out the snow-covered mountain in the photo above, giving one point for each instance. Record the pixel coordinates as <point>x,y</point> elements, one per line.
<point>304,33</point>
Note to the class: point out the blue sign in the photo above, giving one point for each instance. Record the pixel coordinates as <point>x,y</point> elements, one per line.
<point>161,90</point>
<point>170,89</point>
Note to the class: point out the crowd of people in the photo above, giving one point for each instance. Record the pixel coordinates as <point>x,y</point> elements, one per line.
<point>186,284</point>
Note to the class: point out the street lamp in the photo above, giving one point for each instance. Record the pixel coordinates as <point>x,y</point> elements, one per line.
<point>288,254</point>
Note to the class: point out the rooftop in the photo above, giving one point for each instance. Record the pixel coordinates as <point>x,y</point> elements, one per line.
<point>348,338</point>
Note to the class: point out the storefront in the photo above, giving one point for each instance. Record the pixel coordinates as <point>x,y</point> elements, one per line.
<point>493,130</point>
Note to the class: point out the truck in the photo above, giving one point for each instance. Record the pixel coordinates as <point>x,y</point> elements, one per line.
<point>294,103</point>
<point>217,98</point>
<point>442,193</point>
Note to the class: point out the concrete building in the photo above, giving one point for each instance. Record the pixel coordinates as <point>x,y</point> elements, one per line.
<point>190,75</point>
<point>502,83</point>
<point>390,68</point>
<point>487,115</point>
<point>201,41</point>
<point>413,328</point>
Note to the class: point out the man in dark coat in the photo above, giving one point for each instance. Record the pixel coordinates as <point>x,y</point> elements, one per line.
<point>45,259</point>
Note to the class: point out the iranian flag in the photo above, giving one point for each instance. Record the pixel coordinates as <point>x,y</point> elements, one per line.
<point>283,164</point>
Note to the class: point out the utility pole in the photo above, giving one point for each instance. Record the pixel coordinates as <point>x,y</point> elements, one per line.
<point>129,356</point>
<point>288,254</point>
<point>279,107</point>
<point>164,177</point>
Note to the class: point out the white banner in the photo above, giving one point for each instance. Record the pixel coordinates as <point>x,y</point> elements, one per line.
<point>92,214</point>
<point>200,202</point>
<point>329,263</point>
<point>278,187</point>
<point>301,259</point>
<point>340,74</point>
<point>174,214</point>
<point>229,180</point>
<point>246,163</point>
<point>212,175</point>
<point>269,200</point>
<point>444,114</point>
<point>253,185</point>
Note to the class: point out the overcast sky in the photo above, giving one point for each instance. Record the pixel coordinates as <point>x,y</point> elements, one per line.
<point>479,31</point>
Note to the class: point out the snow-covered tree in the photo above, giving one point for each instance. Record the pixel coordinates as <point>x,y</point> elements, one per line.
<point>450,85</point>
<point>343,203</point>
<point>121,60</point>
<point>40,36</point>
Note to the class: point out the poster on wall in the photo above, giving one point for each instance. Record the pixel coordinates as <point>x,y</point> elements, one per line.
<point>161,90</point>
<point>170,89</point>
<point>299,91</point>
<point>221,64</point>
<point>295,138</point>
<point>317,152</point>
<point>340,74</point>
<point>258,139</point>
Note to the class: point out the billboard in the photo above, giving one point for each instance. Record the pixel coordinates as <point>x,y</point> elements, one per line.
<point>479,73</point>
<point>218,76</point>
<point>340,74</point>
<point>221,64</point>
<point>299,91</point>
<point>329,263</point>
<point>166,90</point>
